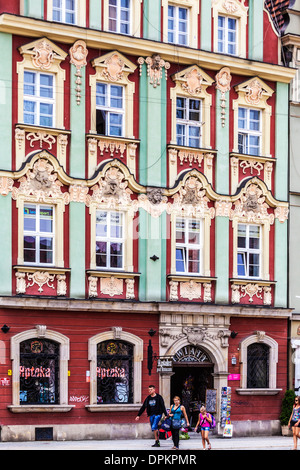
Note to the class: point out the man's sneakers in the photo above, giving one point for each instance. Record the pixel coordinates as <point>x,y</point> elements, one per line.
<point>156,444</point>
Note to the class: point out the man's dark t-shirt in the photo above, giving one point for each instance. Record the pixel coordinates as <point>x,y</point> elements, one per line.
<point>154,406</point>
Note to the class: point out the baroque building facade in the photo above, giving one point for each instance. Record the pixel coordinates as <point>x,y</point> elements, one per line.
<point>144,185</point>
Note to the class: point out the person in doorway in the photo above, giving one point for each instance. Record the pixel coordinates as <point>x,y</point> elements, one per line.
<point>294,421</point>
<point>155,407</point>
<point>204,422</point>
<point>176,412</point>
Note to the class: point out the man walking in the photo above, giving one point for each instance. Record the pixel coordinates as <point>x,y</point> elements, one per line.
<point>155,406</point>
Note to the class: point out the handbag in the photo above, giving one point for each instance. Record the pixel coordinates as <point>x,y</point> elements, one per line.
<point>176,423</point>
<point>166,424</point>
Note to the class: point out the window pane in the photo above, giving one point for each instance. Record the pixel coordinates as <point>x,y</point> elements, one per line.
<point>258,366</point>
<point>101,258</point>
<point>29,218</point>
<point>194,261</point>
<point>194,232</point>
<point>180,233</point>
<point>241,264</point>
<point>46,86</point>
<point>29,83</point>
<point>101,224</point>
<point>116,255</point>
<point>180,260</point>
<point>29,249</point>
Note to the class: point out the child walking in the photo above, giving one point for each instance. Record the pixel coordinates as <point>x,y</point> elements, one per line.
<point>204,421</point>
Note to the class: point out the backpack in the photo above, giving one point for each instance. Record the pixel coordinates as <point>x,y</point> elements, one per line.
<point>213,422</point>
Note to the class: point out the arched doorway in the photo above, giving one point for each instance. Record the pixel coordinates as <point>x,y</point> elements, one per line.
<point>192,375</point>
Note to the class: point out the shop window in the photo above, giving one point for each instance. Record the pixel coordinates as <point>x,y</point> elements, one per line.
<point>114,372</point>
<point>116,358</point>
<point>258,365</point>
<point>39,372</point>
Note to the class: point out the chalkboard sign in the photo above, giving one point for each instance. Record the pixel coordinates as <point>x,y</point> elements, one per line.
<point>211,400</point>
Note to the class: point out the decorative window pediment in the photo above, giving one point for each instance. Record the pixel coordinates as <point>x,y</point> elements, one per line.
<point>236,10</point>
<point>193,82</point>
<point>43,56</point>
<point>114,68</point>
<point>253,94</point>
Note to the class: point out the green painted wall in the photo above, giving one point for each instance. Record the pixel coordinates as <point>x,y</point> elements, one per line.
<point>34,8</point>
<point>152,19</point>
<point>6,245</point>
<point>6,100</point>
<point>77,252</point>
<point>281,263</point>
<point>77,112</point>
<point>205,25</point>
<point>256,29</point>
<point>95,14</point>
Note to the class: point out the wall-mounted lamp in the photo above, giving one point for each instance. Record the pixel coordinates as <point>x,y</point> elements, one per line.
<point>154,257</point>
<point>5,328</point>
<point>233,334</point>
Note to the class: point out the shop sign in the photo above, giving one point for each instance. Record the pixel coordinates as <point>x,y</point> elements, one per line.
<point>104,372</point>
<point>164,365</point>
<point>34,372</point>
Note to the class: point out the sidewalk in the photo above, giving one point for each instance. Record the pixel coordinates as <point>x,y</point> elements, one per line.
<point>192,444</point>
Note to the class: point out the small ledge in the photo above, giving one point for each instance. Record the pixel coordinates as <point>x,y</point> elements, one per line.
<point>111,408</point>
<point>40,408</point>
<point>258,391</point>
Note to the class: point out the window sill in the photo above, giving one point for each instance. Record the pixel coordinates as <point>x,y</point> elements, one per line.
<point>258,391</point>
<point>111,408</point>
<point>40,408</point>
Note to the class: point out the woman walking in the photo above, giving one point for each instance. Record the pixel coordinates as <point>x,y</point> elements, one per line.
<point>294,421</point>
<point>204,422</point>
<point>176,413</point>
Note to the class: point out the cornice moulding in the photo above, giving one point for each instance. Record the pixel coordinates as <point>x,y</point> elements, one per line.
<point>23,26</point>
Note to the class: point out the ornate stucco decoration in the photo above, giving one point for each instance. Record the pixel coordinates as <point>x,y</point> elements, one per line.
<point>251,205</point>
<point>41,182</point>
<point>193,81</point>
<point>254,92</point>
<point>43,53</point>
<point>223,80</point>
<point>41,278</point>
<point>154,202</point>
<point>191,197</point>
<point>260,289</point>
<point>111,190</point>
<point>6,185</point>
<point>78,54</point>
<point>114,66</point>
<point>155,64</point>
<point>230,6</point>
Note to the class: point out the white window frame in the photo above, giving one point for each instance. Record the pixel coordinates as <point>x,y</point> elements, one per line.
<point>247,251</point>
<point>119,22</point>
<point>37,99</point>
<point>225,35</point>
<point>187,123</point>
<point>176,31</point>
<point>186,246</point>
<point>109,240</point>
<point>37,234</point>
<point>246,133</point>
<point>62,9</point>
<point>110,110</point>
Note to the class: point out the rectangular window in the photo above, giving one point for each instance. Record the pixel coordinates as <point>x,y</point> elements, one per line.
<point>38,234</point>
<point>178,25</point>
<point>110,240</point>
<point>188,122</point>
<point>249,131</point>
<point>249,251</point>
<point>64,11</point>
<point>188,246</point>
<point>109,109</point>
<point>119,16</point>
<point>39,99</point>
<point>227,34</point>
